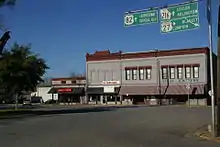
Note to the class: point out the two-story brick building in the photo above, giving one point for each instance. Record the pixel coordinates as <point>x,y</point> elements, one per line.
<point>168,74</point>
<point>69,90</point>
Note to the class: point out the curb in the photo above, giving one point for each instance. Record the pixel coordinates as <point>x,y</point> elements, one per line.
<point>204,134</point>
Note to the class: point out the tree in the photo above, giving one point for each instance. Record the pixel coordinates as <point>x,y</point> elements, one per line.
<point>7,3</point>
<point>21,69</point>
<point>75,74</point>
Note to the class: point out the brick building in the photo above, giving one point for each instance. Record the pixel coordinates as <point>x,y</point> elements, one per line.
<point>139,77</point>
<point>69,90</point>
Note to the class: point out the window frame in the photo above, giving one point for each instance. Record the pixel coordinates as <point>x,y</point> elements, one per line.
<point>186,72</point>
<point>197,71</point>
<point>162,71</point>
<point>127,74</point>
<point>63,82</point>
<point>172,74</point>
<point>134,74</point>
<point>148,75</point>
<point>141,75</point>
<point>178,72</point>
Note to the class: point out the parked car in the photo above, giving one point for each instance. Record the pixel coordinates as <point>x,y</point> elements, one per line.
<point>51,101</point>
<point>27,102</point>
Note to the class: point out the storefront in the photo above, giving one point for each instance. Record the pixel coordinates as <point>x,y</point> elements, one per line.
<point>104,95</point>
<point>69,95</point>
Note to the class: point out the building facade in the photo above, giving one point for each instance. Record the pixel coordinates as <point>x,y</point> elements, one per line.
<point>69,90</point>
<point>42,91</point>
<point>181,75</point>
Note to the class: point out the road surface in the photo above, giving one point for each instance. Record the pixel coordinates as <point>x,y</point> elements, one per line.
<point>109,127</point>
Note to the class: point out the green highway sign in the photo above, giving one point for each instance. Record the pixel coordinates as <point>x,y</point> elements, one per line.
<point>141,18</point>
<point>180,24</point>
<point>179,18</point>
<point>179,11</point>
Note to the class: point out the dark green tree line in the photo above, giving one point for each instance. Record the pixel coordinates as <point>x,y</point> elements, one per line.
<point>20,70</point>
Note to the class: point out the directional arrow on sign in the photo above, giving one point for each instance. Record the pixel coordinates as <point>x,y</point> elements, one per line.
<point>135,19</point>
<point>195,24</point>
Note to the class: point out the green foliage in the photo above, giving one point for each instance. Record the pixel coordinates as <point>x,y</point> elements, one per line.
<point>20,69</point>
<point>7,3</point>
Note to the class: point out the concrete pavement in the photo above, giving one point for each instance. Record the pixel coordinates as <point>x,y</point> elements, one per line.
<point>109,127</point>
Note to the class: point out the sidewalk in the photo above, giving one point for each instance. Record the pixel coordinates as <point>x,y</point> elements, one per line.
<point>203,133</point>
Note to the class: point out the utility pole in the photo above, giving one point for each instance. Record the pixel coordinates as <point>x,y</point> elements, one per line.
<point>209,17</point>
<point>218,80</point>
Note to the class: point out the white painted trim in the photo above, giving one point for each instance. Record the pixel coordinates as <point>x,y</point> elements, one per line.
<point>97,86</point>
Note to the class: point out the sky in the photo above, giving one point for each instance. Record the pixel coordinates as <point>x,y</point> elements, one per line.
<point>62,32</point>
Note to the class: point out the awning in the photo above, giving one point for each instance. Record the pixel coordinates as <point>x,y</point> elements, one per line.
<point>100,91</point>
<point>165,90</point>
<point>72,90</point>
<point>182,89</point>
<point>138,90</point>
<point>95,90</point>
<point>52,90</point>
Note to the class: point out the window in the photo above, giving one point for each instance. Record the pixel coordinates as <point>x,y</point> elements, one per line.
<point>148,73</point>
<point>113,75</point>
<point>196,72</point>
<point>134,74</point>
<point>164,73</point>
<point>105,75</point>
<point>63,82</point>
<point>73,82</point>
<point>188,72</point>
<point>141,74</point>
<point>172,72</point>
<point>179,72</point>
<point>91,76</point>
<point>127,74</point>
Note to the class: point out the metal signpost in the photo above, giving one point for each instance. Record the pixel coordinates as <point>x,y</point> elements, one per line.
<point>179,18</point>
<point>141,18</point>
<point>209,18</point>
<point>218,80</point>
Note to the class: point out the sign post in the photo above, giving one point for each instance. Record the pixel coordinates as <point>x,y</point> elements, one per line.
<point>218,80</point>
<point>188,88</point>
<point>141,18</point>
<point>179,18</point>
<point>209,18</point>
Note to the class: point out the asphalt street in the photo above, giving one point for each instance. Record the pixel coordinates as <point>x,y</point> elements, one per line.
<point>109,127</point>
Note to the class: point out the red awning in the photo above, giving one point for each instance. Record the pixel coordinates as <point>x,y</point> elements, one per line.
<point>138,90</point>
<point>165,90</point>
<point>182,90</point>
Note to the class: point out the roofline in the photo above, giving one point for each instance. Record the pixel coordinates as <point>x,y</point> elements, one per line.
<point>69,78</point>
<point>143,54</point>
